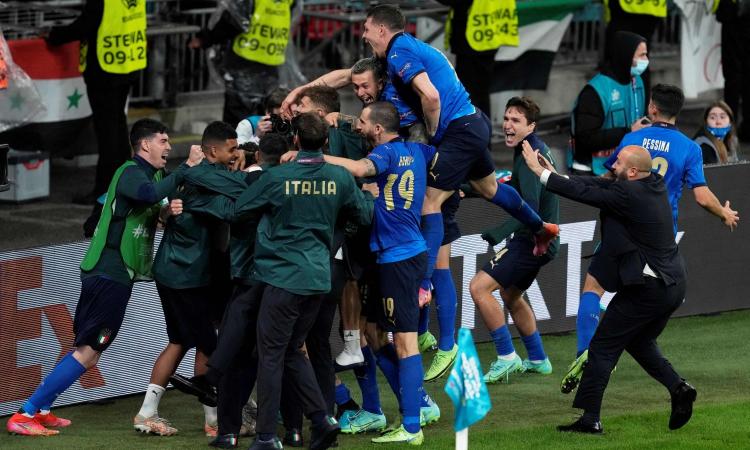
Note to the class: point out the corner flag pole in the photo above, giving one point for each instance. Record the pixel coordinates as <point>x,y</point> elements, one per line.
<point>462,439</point>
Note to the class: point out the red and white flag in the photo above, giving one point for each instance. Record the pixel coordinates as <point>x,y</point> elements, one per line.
<point>63,120</point>
<point>54,71</point>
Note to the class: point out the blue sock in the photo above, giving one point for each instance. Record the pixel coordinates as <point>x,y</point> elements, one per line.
<point>445,291</point>
<point>424,398</point>
<point>410,376</point>
<point>424,319</point>
<point>503,340</point>
<point>342,394</point>
<point>432,232</point>
<point>368,383</point>
<point>65,373</point>
<point>587,321</point>
<point>508,198</point>
<point>534,347</point>
<point>388,363</point>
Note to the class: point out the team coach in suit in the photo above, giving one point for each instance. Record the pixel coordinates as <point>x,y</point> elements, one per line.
<point>638,259</point>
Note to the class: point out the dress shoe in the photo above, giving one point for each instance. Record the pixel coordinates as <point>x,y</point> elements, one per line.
<point>580,427</point>
<point>324,434</point>
<point>273,444</point>
<point>682,405</point>
<point>225,441</point>
<point>293,438</point>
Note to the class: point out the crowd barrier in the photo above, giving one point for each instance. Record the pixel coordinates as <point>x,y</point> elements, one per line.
<point>39,289</point>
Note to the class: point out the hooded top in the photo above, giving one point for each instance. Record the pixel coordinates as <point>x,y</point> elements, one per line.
<point>589,114</point>
<point>621,51</point>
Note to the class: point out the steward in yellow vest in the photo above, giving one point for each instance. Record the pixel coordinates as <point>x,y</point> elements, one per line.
<point>252,55</point>
<point>113,50</point>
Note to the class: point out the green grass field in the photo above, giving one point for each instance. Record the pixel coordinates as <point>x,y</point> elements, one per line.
<point>710,352</point>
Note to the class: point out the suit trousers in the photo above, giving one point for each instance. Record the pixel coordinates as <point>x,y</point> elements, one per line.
<point>111,128</point>
<point>633,321</point>
<point>318,344</point>
<point>234,358</point>
<point>284,321</point>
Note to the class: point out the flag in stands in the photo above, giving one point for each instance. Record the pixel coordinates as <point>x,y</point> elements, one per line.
<point>541,27</point>
<point>55,75</point>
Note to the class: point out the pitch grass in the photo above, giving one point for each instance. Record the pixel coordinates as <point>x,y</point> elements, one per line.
<point>711,352</point>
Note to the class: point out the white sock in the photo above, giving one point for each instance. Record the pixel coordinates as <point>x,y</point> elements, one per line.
<point>351,341</point>
<point>211,415</point>
<point>508,357</point>
<point>151,400</point>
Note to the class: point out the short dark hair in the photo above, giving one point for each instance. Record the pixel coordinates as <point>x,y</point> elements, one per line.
<point>312,130</point>
<point>388,15</point>
<point>668,99</point>
<point>273,145</point>
<point>275,98</point>
<point>370,64</point>
<point>145,129</point>
<point>324,97</point>
<point>385,115</point>
<point>526,105</point>
<point>217,132</point>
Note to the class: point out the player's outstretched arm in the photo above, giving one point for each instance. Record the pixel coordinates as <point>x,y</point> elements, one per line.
<point>361,168</point>
<point>708,201</point>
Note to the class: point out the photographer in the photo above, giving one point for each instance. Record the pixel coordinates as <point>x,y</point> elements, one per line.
<point>252,128</point>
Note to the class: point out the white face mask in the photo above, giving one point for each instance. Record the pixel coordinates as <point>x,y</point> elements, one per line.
<point>639,68</point>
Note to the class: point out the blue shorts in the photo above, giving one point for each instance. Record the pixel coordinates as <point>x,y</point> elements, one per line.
<point>515,265</point>
<point>399,291</point>
<point>100,312</point>
<point>451,232</point>
<point>463,154</point>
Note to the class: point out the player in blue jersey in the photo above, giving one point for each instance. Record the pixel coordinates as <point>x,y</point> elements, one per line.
<point>679,160</point>
<point>399,168</point>
<point>426,81</point>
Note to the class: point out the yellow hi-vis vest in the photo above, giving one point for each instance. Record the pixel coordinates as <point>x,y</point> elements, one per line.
<point>268,34</point>
<point>492,23</point>
<point>656,8</point>
<point>121,38</point>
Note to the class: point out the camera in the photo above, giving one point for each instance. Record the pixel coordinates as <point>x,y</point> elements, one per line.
<point>279,125</point>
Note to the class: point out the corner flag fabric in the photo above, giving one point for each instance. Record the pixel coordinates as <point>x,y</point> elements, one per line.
<point>466,386</point>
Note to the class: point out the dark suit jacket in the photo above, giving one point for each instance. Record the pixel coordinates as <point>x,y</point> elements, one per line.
<point>636,228</point>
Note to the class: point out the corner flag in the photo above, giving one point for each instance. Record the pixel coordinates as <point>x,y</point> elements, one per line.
<point>466,387</point>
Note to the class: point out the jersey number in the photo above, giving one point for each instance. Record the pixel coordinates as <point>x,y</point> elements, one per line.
<point>660,165</point>
<point>405,189</point>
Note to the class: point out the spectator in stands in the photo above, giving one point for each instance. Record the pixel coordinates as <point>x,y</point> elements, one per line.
<point>108,78</point>
<point>735,61</point>
<point>253,56</point>
<point>718,137</point>
<point>612,104</point>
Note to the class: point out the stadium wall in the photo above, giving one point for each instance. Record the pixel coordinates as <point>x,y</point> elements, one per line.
<point>39,289</point>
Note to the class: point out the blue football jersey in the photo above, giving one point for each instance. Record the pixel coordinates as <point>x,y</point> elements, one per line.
<point>406,114</point>
<point>402,180</point>
<point>674,156</point>
<point>408,57</point>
